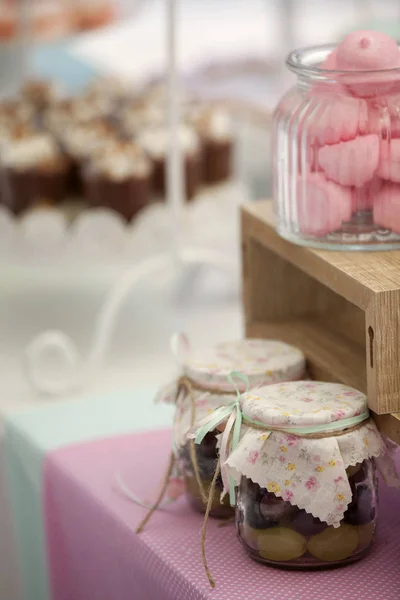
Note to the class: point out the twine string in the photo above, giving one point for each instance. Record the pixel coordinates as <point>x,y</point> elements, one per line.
<point>163,489</point>
<point>205,522</point>
<point>183,383</point>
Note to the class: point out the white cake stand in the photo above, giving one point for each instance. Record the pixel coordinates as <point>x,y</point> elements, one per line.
<point>184,261</point>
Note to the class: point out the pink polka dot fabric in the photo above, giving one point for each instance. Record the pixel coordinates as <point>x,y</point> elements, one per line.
<point>94,553</point>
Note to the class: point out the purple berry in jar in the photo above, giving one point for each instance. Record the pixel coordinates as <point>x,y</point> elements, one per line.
<point>254,518</point>
<point>209,445</point>
<point>251,503</point>
<point>304,523</point>
<point>273,508</point>
<point>357,473</point>
<point>361,510</point>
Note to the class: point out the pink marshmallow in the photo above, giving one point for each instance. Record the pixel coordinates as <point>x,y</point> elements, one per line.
<point>338,120</point>
<point>367,51</point>
<point>322,205</point>
<point>369,56</point>
<point>387,207</point>
<point>351,163</point>
<point>389,164</point>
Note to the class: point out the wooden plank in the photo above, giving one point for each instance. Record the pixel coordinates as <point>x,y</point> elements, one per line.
<point>389,425</point>
<point>329,356</point>
<point>352,297</point>
<point>345,365</point>
<point>355,275</point>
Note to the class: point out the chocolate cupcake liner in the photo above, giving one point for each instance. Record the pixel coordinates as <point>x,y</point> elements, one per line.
<point>126,197</point>
<point>193,166</point>
<point>217,160</point>
<point>23,189</point>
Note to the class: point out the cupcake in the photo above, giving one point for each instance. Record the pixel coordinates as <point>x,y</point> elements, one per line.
<point>92,105</point>
<point>138,115</point>
<point>214,127</point>
<point>33,170</point>
<point>155,142</point>
<point>109,88</point>
<point>80,142</point>
<point>119,178</point>
<point>15,114</point>
<point>58,116</point>
<point>156,94</point>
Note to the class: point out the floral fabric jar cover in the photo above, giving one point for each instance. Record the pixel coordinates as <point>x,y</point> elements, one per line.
<point>264,362</point>
<point>307,472</point>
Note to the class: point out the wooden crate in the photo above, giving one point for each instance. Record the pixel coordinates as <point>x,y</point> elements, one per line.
<point>341,308</point>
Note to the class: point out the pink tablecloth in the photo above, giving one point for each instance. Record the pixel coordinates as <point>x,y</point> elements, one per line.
<point>94,553</point>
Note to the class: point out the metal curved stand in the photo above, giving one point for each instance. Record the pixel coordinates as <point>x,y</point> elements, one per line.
<point>81,372</point>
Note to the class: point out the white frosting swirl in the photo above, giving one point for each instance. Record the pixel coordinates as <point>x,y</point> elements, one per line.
<point>29,151</point>
<point>155,141</point>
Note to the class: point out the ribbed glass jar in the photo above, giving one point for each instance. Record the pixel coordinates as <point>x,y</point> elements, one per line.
<point>336,155</point>
<point>279,534</point>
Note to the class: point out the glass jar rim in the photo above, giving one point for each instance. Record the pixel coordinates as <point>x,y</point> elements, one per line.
<point>305,60</point>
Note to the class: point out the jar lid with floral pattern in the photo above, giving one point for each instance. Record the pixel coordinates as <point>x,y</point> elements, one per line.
<point>296,439</point>
<point>204,375</point>
<point>263,361</point>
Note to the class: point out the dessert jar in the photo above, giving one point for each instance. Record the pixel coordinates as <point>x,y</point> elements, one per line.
<point>214,126</point>
<point>336,139</point>
<point>33,171</point>
<point>304,473</point>
<point>203,387</point>
<point>155,141</point>
<point>119,178</point>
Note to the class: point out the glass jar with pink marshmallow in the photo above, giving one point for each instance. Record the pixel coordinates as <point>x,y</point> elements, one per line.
<point>336,146</point>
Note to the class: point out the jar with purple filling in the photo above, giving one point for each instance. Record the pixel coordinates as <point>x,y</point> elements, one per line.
<point>304,469</point>
<point>202,388</point>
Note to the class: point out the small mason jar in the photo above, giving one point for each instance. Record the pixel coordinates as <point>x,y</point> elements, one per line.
<point>203,387</point>
<point>275,532</point>
<point>305,474</point>
<point>336,149</point>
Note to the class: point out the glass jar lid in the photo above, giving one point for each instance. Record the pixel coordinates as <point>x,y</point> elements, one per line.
<point>264,362</point>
